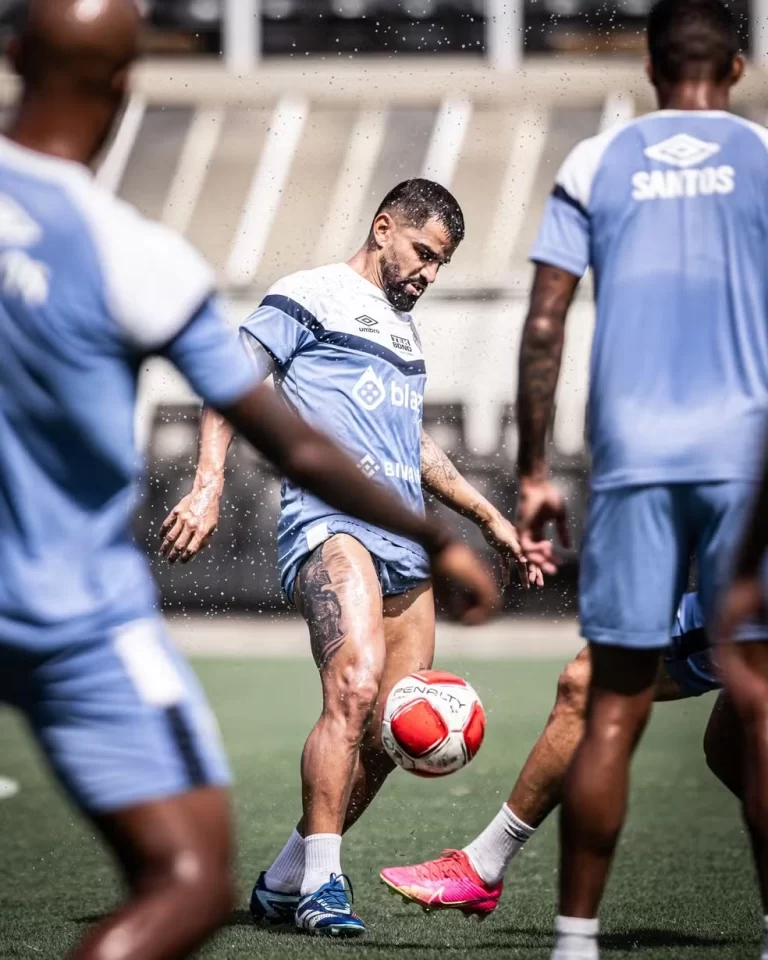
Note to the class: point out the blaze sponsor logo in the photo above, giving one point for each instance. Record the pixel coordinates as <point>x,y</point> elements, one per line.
<point>369,391</point>
<point>405,396</point>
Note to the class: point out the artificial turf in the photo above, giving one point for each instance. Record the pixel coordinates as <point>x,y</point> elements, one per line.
<point>682,885</point>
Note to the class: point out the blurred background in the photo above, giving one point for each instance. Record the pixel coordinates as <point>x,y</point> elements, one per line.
<point>267,131</point>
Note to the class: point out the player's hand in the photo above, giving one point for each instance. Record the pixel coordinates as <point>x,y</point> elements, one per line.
<point>503,537</point>
<point>473,593</point>
<point>744,600</point>
<point>190,525</point>
<point>540,502</point>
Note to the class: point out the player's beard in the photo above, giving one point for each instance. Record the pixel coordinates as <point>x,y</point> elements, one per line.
<point>394,286</point>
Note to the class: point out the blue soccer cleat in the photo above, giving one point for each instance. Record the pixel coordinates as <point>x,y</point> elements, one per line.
<point>269,906</point>
<point>328,911</point>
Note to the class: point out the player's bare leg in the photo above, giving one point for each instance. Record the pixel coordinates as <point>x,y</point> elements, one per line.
<point>723,747</point>
<point>596,787</point>
<point>407,626</point>
<point>176,855</point>
<point>338,594</point>
<point>409,636</point>
<point>745,676</point>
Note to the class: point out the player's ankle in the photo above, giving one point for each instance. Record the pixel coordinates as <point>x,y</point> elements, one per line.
<point>322,853</point>
<point>575,938</point>
<point>492,851</point>
<point>287,871</point>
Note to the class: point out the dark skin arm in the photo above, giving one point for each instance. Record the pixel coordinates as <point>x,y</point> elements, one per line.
<point>541,352</point>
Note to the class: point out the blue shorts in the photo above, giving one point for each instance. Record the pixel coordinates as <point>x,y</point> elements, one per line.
<point>399,568</point>
<point>121,718</point>
<point>635,555</point>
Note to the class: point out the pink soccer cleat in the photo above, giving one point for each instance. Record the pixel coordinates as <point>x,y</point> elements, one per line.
<point>448,883</point>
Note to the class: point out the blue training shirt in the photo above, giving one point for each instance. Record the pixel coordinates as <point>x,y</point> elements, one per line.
<point>88,289</point>
<point>351,365</point>
<point>671,212</point>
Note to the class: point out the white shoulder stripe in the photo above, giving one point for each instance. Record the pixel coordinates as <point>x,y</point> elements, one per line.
<point>758,129</point>
<point>577,174</point>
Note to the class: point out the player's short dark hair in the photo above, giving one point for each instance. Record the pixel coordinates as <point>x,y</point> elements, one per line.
<point>420,200</point>
<point>691,39</point>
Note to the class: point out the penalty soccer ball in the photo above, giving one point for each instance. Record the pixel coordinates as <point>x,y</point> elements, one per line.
<point>433,723</point>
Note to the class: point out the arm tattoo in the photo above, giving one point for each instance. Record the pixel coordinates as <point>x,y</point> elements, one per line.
<point>540,354</point>
<point>321,608</point>
<point>438,474</point>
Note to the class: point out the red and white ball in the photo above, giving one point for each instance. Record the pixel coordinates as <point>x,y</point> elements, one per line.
<point>433,723</point>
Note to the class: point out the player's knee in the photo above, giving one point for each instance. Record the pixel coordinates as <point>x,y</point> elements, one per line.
<point>198,871</point>
<point>204,880</point>
<point>355,690</point>
<point>573,686</point>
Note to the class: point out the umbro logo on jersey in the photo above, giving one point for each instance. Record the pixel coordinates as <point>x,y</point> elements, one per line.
<point>17,228</point>
<point>400,343</point>
<point>682,150</point>
<point>689,179</point>
<point>368,324</point>
<point>369,465</point>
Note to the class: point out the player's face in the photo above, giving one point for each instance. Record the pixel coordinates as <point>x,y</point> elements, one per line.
<point>410,258</point>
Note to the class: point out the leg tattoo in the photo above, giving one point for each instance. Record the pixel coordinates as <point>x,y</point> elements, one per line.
<point>321,608</point>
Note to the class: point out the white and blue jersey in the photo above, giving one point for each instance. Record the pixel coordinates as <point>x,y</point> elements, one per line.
<point>88,289</point>
<point>351,365</point>
<point>671,212</point>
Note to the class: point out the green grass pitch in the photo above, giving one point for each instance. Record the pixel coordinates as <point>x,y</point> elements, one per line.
<point>682,885</point>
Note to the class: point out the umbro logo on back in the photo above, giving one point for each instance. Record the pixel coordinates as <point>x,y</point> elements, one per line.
<point>682,151</point>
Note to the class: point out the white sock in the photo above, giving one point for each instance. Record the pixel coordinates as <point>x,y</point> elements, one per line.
<point>492,851</point>
<point>323,857</point>
<point>287,872</point>
<point>575,939</point>
<point>764,951</point>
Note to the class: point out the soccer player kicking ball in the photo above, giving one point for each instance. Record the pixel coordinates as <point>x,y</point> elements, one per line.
<point>347,356</point>
<point>670,211</point>
<point>471,880</point>
<point>88,289</point>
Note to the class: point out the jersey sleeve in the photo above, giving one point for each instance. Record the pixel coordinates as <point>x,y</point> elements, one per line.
<point>209,355</point>
<point>284,323</point>
<point>154,281</point>
<point>564,236</point>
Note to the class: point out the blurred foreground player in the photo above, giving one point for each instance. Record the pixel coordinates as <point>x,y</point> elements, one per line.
<point>745,676</point>
<point>471,880</point>
<point>671,212</point>
<point>87,290</point>
<point>346,354</point>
